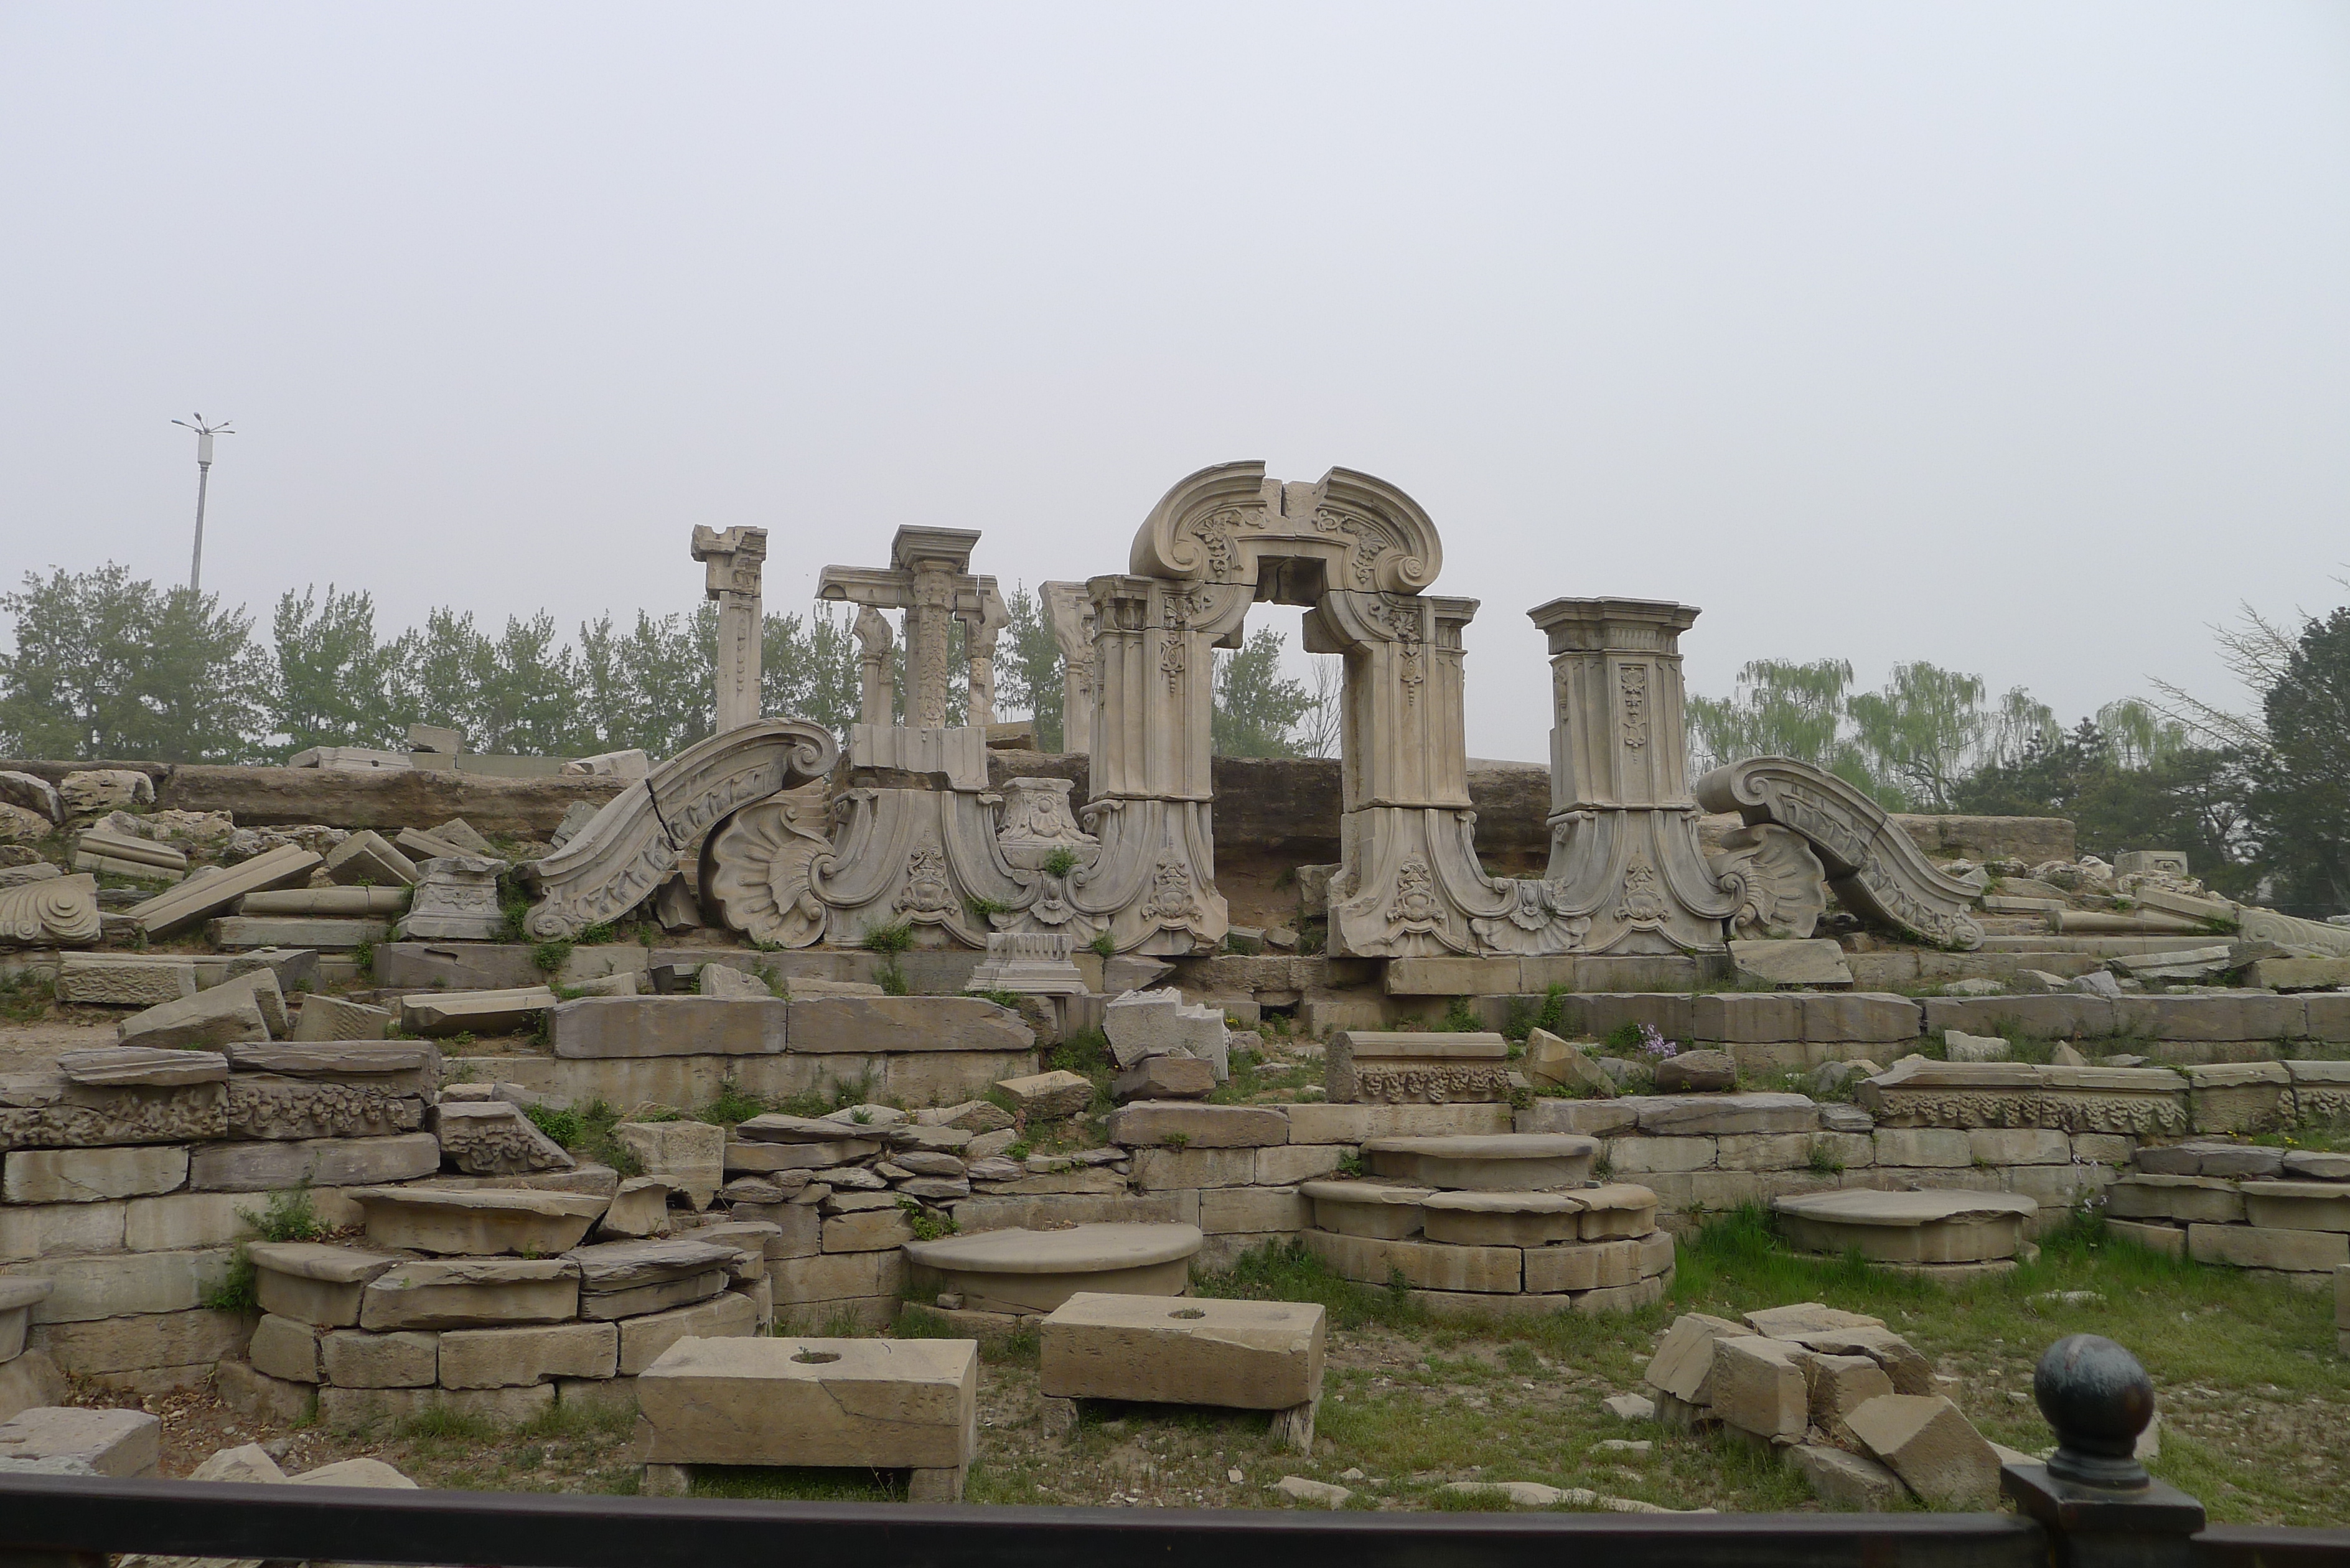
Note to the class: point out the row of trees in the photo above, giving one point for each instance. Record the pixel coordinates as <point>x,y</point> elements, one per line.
<point>108,666</point>
<point>2259,800</point>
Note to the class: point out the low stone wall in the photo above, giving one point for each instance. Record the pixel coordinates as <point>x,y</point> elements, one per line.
<point>1283,809</point>
<point>2280,1213</point>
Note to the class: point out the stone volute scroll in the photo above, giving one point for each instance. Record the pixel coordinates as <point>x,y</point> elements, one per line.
<point>629,848</point>
<point>1874,867</point>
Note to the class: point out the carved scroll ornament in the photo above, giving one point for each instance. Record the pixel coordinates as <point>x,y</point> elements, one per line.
<point>1872,864</point>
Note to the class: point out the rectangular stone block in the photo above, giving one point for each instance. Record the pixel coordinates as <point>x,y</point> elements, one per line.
<point>1637,1155</point>
<point>829,1276</point>
<point>1716,1116</point>
<point>1430,1266</point>
<point>2238,1015</point>
<point>287,865</point>
<point>1003,1213</point>
<point>2202,1200</point>
<point>886,1404</point>
<point>1764,1151</point>
<point>1582,1265</point>
<point>1417,1068</point>
<point>642,1339</point>
<point>2298,1204</point>
<point>1251,1356</point>
<point>2020,1145</point>
<point>284,1348</point>
<point>1924,1147</point>
<point>871,1230</point>
<point>103,1345</point>
<point>1757,1386</point>
<point>271,1165</point>
<point>124,980</point>
<point>610,1026</point>
<point>2167,1239</point>
<point>1861,1018</point>
<point>352,1358</point>
<point>1183,1125</point>
<point>87,1289</point>
<point>1228,1210</point>
<point>511,1357</point>
<point>90,1175</point>
<point>362,1409</point>
<point>1453,977</point>
<point>2240,1096</point>
<point>471,1293</point>
<point>239,932</point>
<point>1740,1018</point>
<point>878,1024</point>
<point>1165,1169</point>
<point>1353,1123</point>
<point>2063,1016</point>
<point>2258,1247</point>
<point>1288,1164</point>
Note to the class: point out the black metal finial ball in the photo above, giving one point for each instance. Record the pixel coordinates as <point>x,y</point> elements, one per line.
<point>2098,1398</point>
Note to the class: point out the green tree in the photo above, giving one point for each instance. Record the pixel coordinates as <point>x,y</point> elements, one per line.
<point>1257,706</point>
<point>1028,668</point>
<point>650,689</point>
<point>1929,728</point>
<point>108,666</point>
<point>332,685</point>
<point>809,669</point>
<point>2301,793</point>
<point>1781,708</point>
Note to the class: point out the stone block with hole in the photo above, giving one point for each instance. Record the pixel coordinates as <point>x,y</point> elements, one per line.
<point>1250,1356</point>
<point>872,1403</point>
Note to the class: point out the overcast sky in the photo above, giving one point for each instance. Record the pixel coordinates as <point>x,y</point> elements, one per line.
<point>2015,338</point>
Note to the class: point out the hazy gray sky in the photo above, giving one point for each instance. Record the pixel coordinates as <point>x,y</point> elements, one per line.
<point>2011,337</point>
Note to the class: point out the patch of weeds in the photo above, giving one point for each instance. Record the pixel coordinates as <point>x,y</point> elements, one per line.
<point>895,938</point>
<point>1019,1151</point>
<point>926,1224</point>
<point>1312,938</point>
<point>1462,1018</point>
<point>1351,1164</point>
<point>1550,1017</point>
<point>363,956</point>
<point>460,1040</point>
<point>1061,862</point>
<point>733,1104</point>
<point>1178,1140</point>
<point>891,978</point>
<point>561,1123</point>
<point>516,907</point>
<point>548,958</point>
<point>439,1421</point>
<point>288,1216</point>
<point>1010,999</point>
<point>1243,947</point>
<point>596,935</point>
<point>239,1289</point>
<point>587,1132</point>
<point>1824,1160</point>
<point>1104,946</point>
<point>26,998</point>
<point>980,908</point>
<point>1286,1271</point>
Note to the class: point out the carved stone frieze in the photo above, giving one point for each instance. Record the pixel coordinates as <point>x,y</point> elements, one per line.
<point>1780,885</point>
<point>47,1110</point>
<point>59,912</point>
<point>2146,1102</point>
<point>1433,1085</point>
<point>264,1105</point>
<point>1873,867</point>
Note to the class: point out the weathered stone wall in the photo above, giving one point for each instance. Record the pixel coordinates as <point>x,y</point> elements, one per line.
<point>1279,809</point>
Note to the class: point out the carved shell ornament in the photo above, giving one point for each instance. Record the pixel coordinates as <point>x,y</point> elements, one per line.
<point>760,859</point>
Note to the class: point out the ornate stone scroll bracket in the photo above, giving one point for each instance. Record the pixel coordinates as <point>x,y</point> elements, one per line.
<point>58,912</point>
<point>1780,885</point>
<point>630,846</point>
<point>2285,931</point>
<point>754,868</point>
<point>1872,866</point>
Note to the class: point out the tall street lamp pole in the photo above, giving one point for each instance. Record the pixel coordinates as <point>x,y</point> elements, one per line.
<point>204,435</point>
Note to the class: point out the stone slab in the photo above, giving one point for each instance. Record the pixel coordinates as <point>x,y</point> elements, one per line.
<point>471,1293</point>
<point>120,1443</point>
<point>476,1223</point>
<point>620,1026</point>
<point>883,1404</point>
<point>511,1357</point>
<point>287,865</point>
<point>1253,1355</point>
<point>1500,1162</point>
<point>92,1175</point>
<point>1184,1124</point>
<point>1430,1266</point>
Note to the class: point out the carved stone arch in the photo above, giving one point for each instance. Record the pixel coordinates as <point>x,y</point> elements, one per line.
<point>1222,523</point>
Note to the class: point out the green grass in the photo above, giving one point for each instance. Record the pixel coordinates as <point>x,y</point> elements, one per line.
<point>586,1131</point>
<point>895,938</point>
<point>26,998</point>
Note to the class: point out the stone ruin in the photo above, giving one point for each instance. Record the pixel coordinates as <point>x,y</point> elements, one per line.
<point>344,1009</point>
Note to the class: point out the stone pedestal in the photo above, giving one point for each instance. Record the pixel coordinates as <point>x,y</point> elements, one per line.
<point>1624,865</point>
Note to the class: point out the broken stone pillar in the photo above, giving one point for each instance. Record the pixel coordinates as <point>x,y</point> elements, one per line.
<point>980,634</point>
<point>875,686</point>
<point>735,559</point>
<point>1070,609</point>
<point>1625,866</point>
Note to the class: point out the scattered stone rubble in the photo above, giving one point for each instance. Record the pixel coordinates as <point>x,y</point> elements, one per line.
<point>1839,1394</point>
